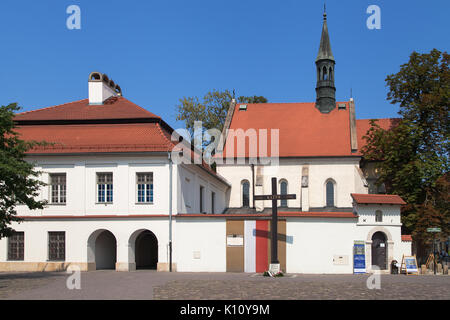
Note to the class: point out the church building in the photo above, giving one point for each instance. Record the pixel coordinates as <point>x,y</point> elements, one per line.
<point>118,200</point>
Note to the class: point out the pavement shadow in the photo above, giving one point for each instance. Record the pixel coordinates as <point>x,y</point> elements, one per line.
<point>30,275</point>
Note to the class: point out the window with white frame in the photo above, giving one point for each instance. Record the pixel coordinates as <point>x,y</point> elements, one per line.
<point>105,187</point>
<point>144,187</point>
<point>58,188</point>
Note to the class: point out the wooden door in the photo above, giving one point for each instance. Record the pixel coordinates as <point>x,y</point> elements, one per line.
<point>379,247</point>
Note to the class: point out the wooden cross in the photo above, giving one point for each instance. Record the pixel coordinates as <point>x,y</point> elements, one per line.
<point>274,223</point>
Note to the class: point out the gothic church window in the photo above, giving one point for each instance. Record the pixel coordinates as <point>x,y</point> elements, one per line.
<point>283,191</point>
<point>245,194</point>
<point>330,194</point>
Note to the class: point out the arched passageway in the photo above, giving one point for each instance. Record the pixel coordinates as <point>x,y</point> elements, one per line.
<point>102,249</point>
<point>145,249</point>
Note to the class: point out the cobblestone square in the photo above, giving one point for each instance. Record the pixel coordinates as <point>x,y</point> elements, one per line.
<point>226,286</point>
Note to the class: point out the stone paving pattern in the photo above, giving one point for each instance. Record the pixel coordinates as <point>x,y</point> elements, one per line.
<point>229,286</point>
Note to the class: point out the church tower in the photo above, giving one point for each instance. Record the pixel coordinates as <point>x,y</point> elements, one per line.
<point>325,89</point>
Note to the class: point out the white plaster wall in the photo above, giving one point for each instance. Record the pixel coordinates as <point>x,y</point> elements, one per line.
<point>341,170</point>
<point>190,178</point>
<point>81,184</point>
<point>200,245</point>
<point>405,249</point>
<point>366,213</point>
<point>361,185</point>
<point>77,233</point>
<point>250,245</point>
<point>81,174</point>
<point>235,174</point>
<point>391,226</point>
<point>315,242</point>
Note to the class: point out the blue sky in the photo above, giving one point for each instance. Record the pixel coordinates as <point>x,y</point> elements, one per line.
<point>160,51</point>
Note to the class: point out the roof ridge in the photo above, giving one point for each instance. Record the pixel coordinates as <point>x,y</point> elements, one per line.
<point>379,119</point>
<point>169,142</point>
<point>90,125</point>
<point>265,103</point>
<point>140,107</point>
<point>46,108</point>
<point>375,195</point>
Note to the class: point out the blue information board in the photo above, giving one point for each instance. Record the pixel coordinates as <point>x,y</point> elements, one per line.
<point>359,257</point>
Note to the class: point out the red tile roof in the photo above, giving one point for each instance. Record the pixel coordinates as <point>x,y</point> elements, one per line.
<point>377,199</point>
<point>303,129</point>
<point>80,135</point>
<point>363,125</point>
<point>406,238</point>
<point>113,108</point>
<point>85,138</point>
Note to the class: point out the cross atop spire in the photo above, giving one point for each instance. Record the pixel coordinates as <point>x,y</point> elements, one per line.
<point>325,46</point>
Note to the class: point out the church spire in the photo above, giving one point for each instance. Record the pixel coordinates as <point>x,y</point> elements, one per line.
<point>325,89</point>
<point>325,46</point>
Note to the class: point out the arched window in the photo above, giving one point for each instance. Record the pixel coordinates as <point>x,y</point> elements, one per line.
<point>325,73</point>
<point>245,193</point>
<point>378,216</point>
<point>283,190</point>
<point>330,193</point>
<point>331,74</point>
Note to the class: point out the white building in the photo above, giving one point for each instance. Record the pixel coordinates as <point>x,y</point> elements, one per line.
<point>113,186</point>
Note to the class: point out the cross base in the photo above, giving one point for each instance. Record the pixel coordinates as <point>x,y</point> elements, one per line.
<point>274,268</point>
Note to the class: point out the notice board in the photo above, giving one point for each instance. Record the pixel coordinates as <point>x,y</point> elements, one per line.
<point>409,265</point>
<point>359,257</point>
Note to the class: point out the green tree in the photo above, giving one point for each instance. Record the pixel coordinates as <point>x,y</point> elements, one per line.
<point>435,210</point>
<point>413,155</point>
<point>19,182</point>
<point>212,110</point>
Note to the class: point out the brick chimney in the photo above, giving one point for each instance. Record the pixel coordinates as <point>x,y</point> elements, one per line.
<point>102,88</point>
